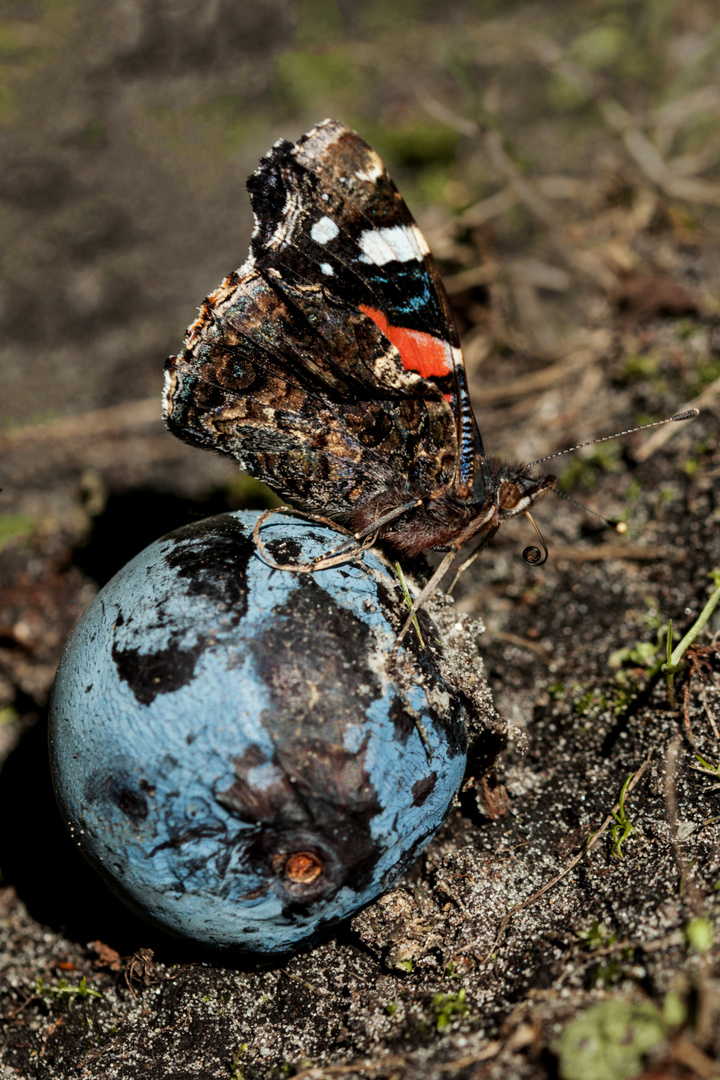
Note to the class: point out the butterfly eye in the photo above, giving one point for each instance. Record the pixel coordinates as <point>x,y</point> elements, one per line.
<point>508,495</point>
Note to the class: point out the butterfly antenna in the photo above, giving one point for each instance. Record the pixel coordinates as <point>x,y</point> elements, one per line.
<point>613,523</point>
<point>689,414</point>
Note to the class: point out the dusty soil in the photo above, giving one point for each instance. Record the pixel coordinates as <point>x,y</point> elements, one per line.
<point>564,169</point>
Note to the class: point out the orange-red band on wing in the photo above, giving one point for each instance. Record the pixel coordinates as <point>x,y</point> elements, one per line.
<point>419,352</point>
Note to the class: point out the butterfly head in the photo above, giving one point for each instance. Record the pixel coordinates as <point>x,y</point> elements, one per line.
<point>512,489</point>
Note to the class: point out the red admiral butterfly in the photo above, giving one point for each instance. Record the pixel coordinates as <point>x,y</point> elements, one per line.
<point>329,364</point>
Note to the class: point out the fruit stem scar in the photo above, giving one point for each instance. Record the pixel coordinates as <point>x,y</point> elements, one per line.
<point>303,867</point>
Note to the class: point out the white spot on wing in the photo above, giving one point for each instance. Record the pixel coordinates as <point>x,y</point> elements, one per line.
<point>324,230</point>
<point>374,171</point>
<point>327,269</point>
<point>397,243</point>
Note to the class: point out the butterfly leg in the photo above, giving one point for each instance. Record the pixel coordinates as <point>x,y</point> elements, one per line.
<point>462,568</point>
<point>322,563</point>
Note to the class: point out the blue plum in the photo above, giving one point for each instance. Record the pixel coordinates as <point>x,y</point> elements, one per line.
<point>234,747</point>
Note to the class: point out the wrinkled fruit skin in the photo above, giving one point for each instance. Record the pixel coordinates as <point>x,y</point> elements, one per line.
<point>230,744</point>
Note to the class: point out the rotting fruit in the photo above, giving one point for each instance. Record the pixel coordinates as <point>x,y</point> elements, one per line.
<point>236,749</point>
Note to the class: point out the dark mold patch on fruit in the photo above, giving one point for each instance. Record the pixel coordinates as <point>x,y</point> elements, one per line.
<point>118,789</point>
<point>211,557</point>
<point>285,550</point>
<point>159,672</point>
<point>133,804</point>
<point>313,643</point>
<point>422,788</point>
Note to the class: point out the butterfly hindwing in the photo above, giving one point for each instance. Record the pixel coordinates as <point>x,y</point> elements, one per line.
<point>247,384</point>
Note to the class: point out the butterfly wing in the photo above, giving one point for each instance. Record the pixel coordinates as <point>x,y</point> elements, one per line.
<point>329,364</point>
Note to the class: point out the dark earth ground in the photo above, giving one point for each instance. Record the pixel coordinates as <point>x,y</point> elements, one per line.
<point>564,169</point>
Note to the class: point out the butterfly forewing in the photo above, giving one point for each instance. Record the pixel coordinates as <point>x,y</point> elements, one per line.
<point>344,221</point>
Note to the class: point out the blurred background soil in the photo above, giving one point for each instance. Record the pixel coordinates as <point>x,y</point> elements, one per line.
<point>563,163</point>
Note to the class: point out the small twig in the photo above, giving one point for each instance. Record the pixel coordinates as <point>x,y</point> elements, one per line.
<point>661,436</point>
<point>523,643</point>
<point>553,373</point>
<point>590,842</point>
<point>711,718</point>
<point>688,1054</point>
<point>676,938</point>
<point>319,1072</point>
<point>319,990</point>
<point>316,1072</point>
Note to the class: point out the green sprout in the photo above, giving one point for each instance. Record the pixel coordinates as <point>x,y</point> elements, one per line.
<point>598,936</point>
<point>675,656</point>
<point>408,600</point>
<point>15,527</point>
<point>623,826</point>
<point>64,992</point>
<point>236,1066</point>
<point>448,1005</point>
<point>699,934</point>
<point>709,769</point>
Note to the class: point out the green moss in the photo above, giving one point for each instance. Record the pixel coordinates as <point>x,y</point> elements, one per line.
<point>231,120</point>
<point>448,1007</point>
<point>609,1041</point>
<point>94,135</point>
<point>589,700</point>
<point>244,492</point>
<point>14,38</point>
<point>644,654</point>
<point>417,144</point>
<point>14,526</point>
<point>674,1012</point>
<point>600,47</point>
<point>563,94</point>
<point>583,472</point>
<point>639,366</point>
<point>704,373</point>
<point>699,934</point>
<point>598,936</point>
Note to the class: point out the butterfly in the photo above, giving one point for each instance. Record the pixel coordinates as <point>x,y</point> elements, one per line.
<point>329,364</point>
